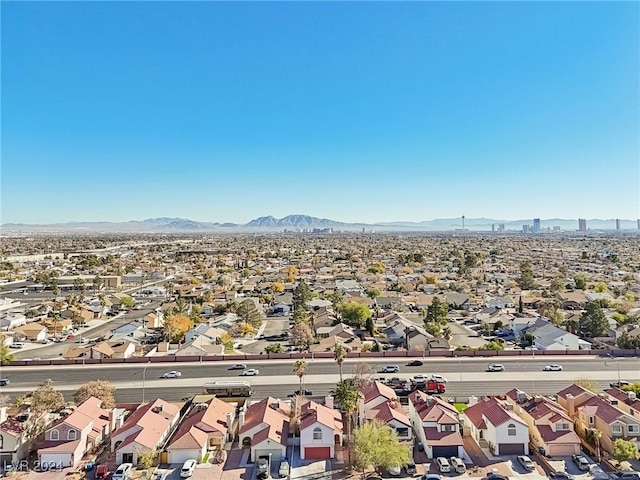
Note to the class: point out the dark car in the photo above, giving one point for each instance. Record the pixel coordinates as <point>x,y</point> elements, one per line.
<point>301,393</point>
<point>415,363</point>
<point>561,476</point>
<point>238,366</point>
<point>619,384</point>
<point>410,468</point>
<point>4,382</point>
<point>626,475</point>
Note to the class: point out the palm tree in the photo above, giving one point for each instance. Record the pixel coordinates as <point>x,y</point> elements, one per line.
<point>596,435</point>
<point>6,357</point>
<point>339,355</point>
<point>300,369</point>
<point>347,396</point>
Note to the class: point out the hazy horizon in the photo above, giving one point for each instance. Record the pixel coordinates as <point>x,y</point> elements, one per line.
<point>354,111</point>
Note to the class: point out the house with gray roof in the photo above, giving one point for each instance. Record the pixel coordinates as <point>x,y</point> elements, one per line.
<point>546,336</point>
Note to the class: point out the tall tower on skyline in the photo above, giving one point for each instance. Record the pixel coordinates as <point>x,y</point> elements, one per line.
<point>582,225</point>
<point>536,225</point>
<point>462,222</point>
<point>618,224</point>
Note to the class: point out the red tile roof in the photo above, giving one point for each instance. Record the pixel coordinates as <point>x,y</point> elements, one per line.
<point>200,423</point>
<point>148,423</point>
<point>436,438</point>
<point>377,389</point>
<point>312,412</point>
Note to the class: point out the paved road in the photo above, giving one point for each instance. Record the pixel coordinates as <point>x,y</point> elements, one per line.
<point>466,376</point>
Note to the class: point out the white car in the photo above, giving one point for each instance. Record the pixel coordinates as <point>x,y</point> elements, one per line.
<point>172,374</point>
<point>418,379</point>
<point>495,367</point>
<point>251,372</point>
<point>552,368</point>
<point>123,472</point>
<point>438,378</point>
<point>187,468</point>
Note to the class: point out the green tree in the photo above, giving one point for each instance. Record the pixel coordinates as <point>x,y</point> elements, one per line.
<point>6,357</point>
<point>633,387</point>
<point>593,321</point>
<point>580,280</point>
<point>370,326</point>
<point>595,435</point>
<point>355,314</point>
<point>625,450</point>
<point>300,369</point>
<point>347,395</point>
<point>96,388</point>
<point>128,302</point>
<point>301,295</point>
<point>377,445</point>
<point>492,345</point>
<point>376,268</point>
<point>557,285</point>
<point>437,312</point>
<point>627,341</point>
<point>248,313</point>
<point>526,280</point>
<point>147,458</point>
<point>274,348</point>
<point>300,315</point>
<point>600,288</point>
<point>339,354</point>
<point>374,292</point>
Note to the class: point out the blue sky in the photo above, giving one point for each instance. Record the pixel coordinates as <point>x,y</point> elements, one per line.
<point>357,111</point>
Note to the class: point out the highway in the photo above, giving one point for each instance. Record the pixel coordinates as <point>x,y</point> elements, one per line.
<point>466,376</point>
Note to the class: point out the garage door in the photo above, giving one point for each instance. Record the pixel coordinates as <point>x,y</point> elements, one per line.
<point>276,455</point>
<point>448,451</point>
<point>317,453</point>
<point>511,449</point>
<point>181,456</point>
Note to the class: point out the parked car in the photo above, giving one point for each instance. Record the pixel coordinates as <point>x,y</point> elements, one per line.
<point>419,379</point>
<point>122,472</point>
<point>438,378</point>
<point>263,465</point>
<point>284,469</point>
<point>172,374</point>
<point>251,372</point>
<point>410,468</point>
<point>415,363</point>
<point>598,473</point>
<point>620,384</point>
<point>390,369</point>
<point>16,345</point>
<point>552,368</point>
<point>431,476</point>
<point>562,476</point>
<point>187,468</point>
<point>395,471</point>
<point>495,367</point>
<point>457,465</point>
<point>526,463</point>
<point>301,393</point>
<point>4,382</point>
<point>581,462</point>
<point>443,465</point>
<point>238,366</point>
<point>102,471</point>
<point>626,475</point>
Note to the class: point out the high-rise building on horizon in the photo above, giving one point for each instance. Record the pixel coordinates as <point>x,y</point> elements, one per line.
<point>618,224</point>
<point>582,225</point>
<point>638,223</point>
<point>536,225</point>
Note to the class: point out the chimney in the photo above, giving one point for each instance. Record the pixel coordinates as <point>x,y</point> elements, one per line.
<point>241,418</point>
<point>328,402</point>
<point>473,400</point>
<point>429,400</point>
<point>508,407</point>
<point>3,414</point>
<point>571,404</point>
<point>631,395</point>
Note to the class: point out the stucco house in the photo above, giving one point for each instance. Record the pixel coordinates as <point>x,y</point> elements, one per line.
<point>34,332</point>
<point>546,336</point>
<point>550,426</point>
<point>495,426</point>
<point>13,439</point>
<point>69,438</point>
<point>206,427</point>
<point>264,428</point>
<point>436,424</point>
<point>320,431</point>
<point>145,429</point>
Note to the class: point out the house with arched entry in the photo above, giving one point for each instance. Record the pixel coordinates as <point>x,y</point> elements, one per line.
<point>264,429</point>
<point>145,429</point>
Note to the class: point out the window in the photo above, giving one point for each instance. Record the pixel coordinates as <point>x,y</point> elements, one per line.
<point>448,428</point>
<point>592,420</point>
<point>633,428</point>
<point>402,432</point>
<point>511,430</point>
<point>562,426</point>
<point>317,433</point>
<point>55,434</point>
<point>616,429</point>
<point>71,435</point>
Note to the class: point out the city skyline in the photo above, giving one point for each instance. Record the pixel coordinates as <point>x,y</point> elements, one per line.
<point>357,112</point>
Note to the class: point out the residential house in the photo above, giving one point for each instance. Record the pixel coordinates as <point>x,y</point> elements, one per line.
<point>595,412</point>
<point>13,439</point>
<point>264,428</point>
<point>203,330</point>
<point>69,438</point>
<point>12,320</point>
<point>145,429</point>
<point>112,349</point>
<point>57,326</point>
<point>458,300</point>
<point>550,426</point>
<point>546,336</point>
<point>374,395</point>
<point>626,401</point>
<point>154,320</point>
<point>200,346</point>
<point>34,332</point>
<point>572,300</point>
<point>501,303</point>
<point>328,344</point>
<point>436,424</point>
<point>206,427</point>
<point>495,426</point>
<point>392,414</point>
<point>320,431</point>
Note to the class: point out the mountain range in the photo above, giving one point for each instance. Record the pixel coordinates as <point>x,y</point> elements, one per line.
<point>295,222</point>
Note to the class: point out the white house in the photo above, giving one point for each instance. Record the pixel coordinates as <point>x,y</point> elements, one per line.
<point>320,431</point>
<point>436,424</point>
<point>495,425</point>
<point>11,320</point>
<point>546,336</point>
<point>13,439</point>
